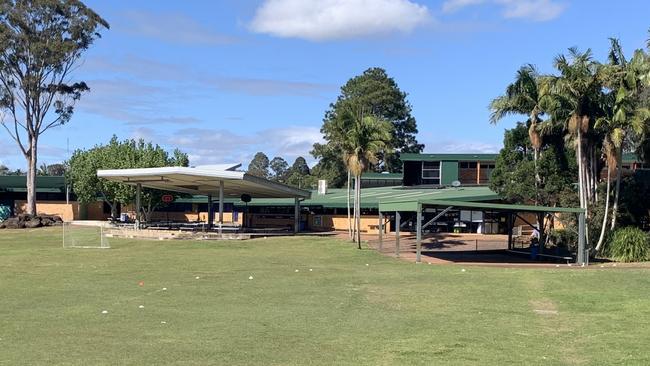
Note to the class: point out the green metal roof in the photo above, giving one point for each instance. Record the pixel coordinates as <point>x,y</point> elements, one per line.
<point>412,205</point>
<point>447,157</point>
<point>377,176</point>
<point>370,197</point>
<point>18,183</point>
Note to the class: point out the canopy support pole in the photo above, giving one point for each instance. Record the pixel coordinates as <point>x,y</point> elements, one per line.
<point>510,228</point>
<point>397,220</point>
<point>418,235</point>
<point>296,213</point>
<point>138,205</point>
<point>581,238</point>
<point>210,212</point>
<point>220,205</point>
<point>381,231</point>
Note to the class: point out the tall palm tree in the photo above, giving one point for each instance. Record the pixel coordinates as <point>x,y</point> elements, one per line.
<point>575,96</point>
<point>363,138</point>
<point>523,97</point>
<point>627,80</point>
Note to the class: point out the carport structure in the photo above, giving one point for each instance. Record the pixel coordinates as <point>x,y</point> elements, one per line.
<point>441,207</point>
<point>214,180</point>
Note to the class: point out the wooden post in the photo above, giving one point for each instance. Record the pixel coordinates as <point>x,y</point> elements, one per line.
<point>478,172</point>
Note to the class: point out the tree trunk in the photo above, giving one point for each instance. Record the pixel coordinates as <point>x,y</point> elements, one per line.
<point>348,197</point>
<point>537,177</point>
<point>582,182</point>
<point>602,228</point>
<point>358,218</point>
<point>617,190</point>
<point>31,176</point>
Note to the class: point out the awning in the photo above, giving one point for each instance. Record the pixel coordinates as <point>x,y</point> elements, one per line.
<point>204,180</point>
<point>412,205</point>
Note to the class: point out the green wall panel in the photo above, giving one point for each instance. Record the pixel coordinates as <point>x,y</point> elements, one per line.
<point>449,172</point>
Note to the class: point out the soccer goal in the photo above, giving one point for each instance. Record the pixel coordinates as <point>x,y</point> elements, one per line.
<point>83,236</point>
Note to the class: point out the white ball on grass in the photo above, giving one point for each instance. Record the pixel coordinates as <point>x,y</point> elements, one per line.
<point>104,311</point>
<point>250,277</point>
<point>163,322</point>
<point>164,288</point>
<point>141,306</point>
<point>311,270</point>
<point>367,264</point>
<point>197,277</point>
<point>462,270</point>
<point>297,270</point>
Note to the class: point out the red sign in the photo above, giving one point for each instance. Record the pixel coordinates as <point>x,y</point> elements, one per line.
<point>167,198</point>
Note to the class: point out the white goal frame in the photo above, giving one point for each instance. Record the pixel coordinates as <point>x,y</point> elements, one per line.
<point>84,236</point>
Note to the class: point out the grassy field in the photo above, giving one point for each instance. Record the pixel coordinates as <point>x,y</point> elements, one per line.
<point>354,307</point>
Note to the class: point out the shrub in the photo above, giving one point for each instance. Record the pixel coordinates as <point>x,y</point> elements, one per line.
<point>629,244</point>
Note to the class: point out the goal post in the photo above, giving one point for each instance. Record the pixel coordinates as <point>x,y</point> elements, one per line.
<point>84,236</point>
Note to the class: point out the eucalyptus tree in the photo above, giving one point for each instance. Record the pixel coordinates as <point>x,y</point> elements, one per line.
<point>41,44</point>
<point>523,97</point>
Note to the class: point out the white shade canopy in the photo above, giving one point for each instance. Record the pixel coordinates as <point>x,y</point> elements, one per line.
<point>204,180</point>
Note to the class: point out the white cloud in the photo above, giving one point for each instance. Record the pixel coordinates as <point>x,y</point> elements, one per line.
<point>215,146</point>
<point>537,10</point>
<point>320,20</point>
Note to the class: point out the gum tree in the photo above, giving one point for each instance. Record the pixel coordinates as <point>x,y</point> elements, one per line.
<point>41,44</point>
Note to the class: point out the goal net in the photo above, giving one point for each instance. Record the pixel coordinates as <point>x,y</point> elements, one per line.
<point>83,236</point>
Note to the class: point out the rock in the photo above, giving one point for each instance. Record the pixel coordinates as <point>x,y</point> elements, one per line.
<point>33,223</point>
<point>30,221</point>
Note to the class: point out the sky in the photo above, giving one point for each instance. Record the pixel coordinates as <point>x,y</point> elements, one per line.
<point>223,79</point>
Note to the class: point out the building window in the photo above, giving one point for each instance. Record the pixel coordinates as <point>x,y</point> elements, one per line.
<point>467,165</point>
<point>430,172</point>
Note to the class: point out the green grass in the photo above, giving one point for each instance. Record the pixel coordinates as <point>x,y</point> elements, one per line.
<point>342,313</point>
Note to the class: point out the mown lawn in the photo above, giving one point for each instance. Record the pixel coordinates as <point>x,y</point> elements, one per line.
<point>344,312</point>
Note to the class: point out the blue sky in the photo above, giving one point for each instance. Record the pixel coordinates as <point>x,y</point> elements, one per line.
<point>222,80</point>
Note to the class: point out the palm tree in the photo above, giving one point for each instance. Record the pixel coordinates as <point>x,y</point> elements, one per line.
<point>626,79</point>
<point>523,97</point>
<point>363,138</point>
<point>576,96</point>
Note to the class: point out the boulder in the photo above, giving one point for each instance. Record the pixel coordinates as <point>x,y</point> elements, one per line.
<point>33,223</point>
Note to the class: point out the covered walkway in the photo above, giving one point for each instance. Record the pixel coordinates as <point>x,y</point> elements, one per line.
<point>438,208</point>
<point>222,181</point>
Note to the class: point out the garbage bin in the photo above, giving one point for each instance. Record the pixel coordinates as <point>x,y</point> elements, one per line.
<point>534,250</point>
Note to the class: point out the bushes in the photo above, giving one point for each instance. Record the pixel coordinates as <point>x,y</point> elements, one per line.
<point>629,244</point>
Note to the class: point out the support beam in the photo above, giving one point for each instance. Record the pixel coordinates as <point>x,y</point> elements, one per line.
<point>526,221</point>
<point>381,231</point>
<point>510,228</point>
<point>581,238</point>
<point>296,213</point>
<point>397,220</point>
<point>220,203</point>
<point>437,217</point>
<point>418,235</point>
<point>138,205</point>
<point>210,212</point>
<point>478,172</point>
